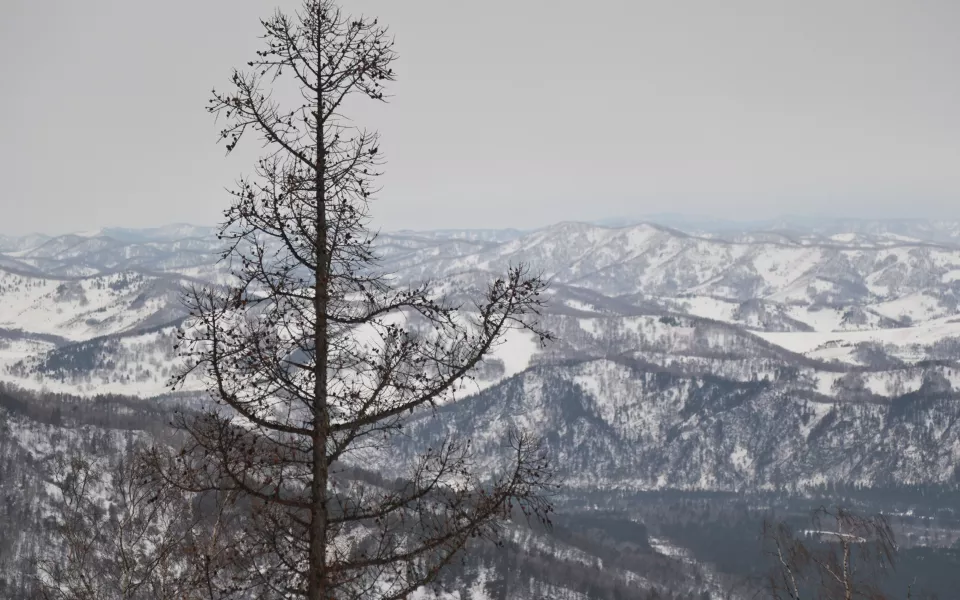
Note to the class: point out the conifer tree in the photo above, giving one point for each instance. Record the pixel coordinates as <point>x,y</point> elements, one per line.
<point>312,357</point>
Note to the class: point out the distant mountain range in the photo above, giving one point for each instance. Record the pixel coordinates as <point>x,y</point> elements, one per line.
<point>941,230</point>
<point>817,334</point>
<point>783,356</point>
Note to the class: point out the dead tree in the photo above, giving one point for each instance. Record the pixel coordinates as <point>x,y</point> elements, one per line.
<point>842,556</point>
<point>313,359</point>
<point>124,535</point>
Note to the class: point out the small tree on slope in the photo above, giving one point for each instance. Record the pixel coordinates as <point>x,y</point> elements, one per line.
<point>844,556</point>
<point>313,358</point>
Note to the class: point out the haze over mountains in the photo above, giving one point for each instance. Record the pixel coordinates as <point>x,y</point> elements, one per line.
<point>792,322</point>
<point>748,359</point>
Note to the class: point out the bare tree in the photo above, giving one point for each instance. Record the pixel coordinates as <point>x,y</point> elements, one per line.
<point>843,555</point>
<point>314,359</point>
<point>126,536</point>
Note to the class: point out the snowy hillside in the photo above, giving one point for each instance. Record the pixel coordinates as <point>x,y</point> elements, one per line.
<point>724,362</point>
<point>788,328</point>
<point>622,425</point>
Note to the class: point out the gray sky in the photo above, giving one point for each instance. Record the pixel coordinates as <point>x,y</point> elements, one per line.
<point>507,112</point>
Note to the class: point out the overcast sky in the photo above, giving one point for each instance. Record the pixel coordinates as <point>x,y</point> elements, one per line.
<point>507,112</point>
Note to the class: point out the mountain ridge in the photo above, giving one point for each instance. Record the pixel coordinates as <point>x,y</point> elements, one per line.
<point>846,323</point>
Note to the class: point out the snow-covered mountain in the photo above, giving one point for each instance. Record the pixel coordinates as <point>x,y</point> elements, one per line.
<point>842,347</point>
<point>932,230</point>
<point>774,359</point>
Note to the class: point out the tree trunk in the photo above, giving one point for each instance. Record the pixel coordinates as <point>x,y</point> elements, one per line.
<point>847,587</point>
<point>317,588</point>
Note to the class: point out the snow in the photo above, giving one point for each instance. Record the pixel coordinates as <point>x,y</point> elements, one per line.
<point>12,351</point>
<point>844,237</point>
<point>822,319</point>
<point>835,352</point>
<point>693,278</point>
<point>709,308</point>
<point>825,382</point>
<point>893,383</point>
<point>591,326</point>
<point>516,351</point>
<point>740,458</point>
<point>668,548</point>
<point>643,258</point>
<point>75,309</point>
<point>917,306</point>
<point>819,410</point>
<point>780,269</point>
<point>925,333</point>
<point>89,234</point>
